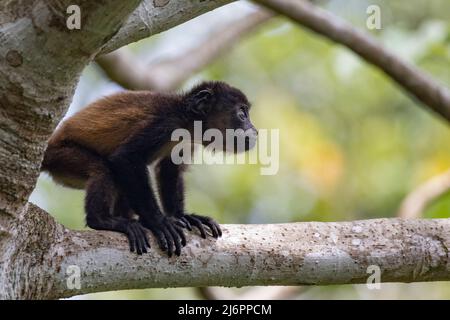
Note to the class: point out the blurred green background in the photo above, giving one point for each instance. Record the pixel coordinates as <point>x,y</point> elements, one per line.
<point>352,144</point>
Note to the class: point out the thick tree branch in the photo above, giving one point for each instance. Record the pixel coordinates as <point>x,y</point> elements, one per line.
<point>155,16</point>
<point>281,254</point>
<point>413,80</point>
<point>420,198</point>
<point>122,67</point>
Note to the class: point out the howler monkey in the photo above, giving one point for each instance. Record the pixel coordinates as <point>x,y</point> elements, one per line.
<point>106,147</point>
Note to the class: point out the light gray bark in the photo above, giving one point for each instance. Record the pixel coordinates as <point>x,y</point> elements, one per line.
<point>155,16</point>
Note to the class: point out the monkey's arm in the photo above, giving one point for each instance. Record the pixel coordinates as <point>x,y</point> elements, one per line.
<point>129,166</point>
<point>171,191</point>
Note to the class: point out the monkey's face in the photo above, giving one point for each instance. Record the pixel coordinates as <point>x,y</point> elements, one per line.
<point>231,116</point>
<point>224,111</point>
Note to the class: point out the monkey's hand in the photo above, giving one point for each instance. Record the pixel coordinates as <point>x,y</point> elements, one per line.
<point>189,220</point>
<point>169,235</point>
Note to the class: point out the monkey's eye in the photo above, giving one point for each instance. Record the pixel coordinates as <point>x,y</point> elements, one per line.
<point>242,114</point>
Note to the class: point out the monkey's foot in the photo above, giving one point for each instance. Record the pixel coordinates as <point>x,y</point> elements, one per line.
<point>189,220</point>
<point>137,237</point>
<point>169,235</point>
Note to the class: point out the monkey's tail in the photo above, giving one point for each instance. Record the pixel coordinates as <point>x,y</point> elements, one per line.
<point>45,163</point>
<point>49,157</point>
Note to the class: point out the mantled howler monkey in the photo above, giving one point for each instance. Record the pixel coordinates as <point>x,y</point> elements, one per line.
<point>106,147</point>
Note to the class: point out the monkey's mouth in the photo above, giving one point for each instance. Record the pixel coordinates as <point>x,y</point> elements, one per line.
<point>250,143</point>
<point>234,141</point>
<point>242,143</point>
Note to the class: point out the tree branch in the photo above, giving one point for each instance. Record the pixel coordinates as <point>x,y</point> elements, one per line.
<point>155,16</point>
<point>420,198</point>
<point>122,67</point>
<point>413,80</point>
<point>309,253</point>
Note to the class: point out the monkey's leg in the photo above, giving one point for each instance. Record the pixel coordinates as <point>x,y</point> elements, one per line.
<point>131,175</point>
<point>100,197</point>
<point>76,166</point>
<point>171,191</point>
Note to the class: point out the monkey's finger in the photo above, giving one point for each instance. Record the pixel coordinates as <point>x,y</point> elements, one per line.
<point>146,231</point>
<point>143,245</point>
<point>138,244</point>
<point>131,241</point>
<point>138,247</point>
<point>134,231</point>
<point>180,224</point>
<point>217,228</point>
<point>211,225</point>
<point>176,239</point>
<point>186,221</point>
<point>169,241</point>
<point>180,233</point>
<point>197,223</point>
<point>160,237</point>
<point>145,236</point>
<point>140,231</point>
<point>142,238</point>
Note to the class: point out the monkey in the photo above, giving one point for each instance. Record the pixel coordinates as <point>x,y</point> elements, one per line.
<point>107,147</point>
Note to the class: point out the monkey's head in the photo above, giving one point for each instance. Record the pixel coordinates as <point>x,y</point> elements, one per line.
<point>224,108</point>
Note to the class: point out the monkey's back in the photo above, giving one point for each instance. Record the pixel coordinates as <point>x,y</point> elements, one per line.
<point>106,123</point>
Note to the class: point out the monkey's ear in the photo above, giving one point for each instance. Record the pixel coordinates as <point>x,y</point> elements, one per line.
<point>202,102</point>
